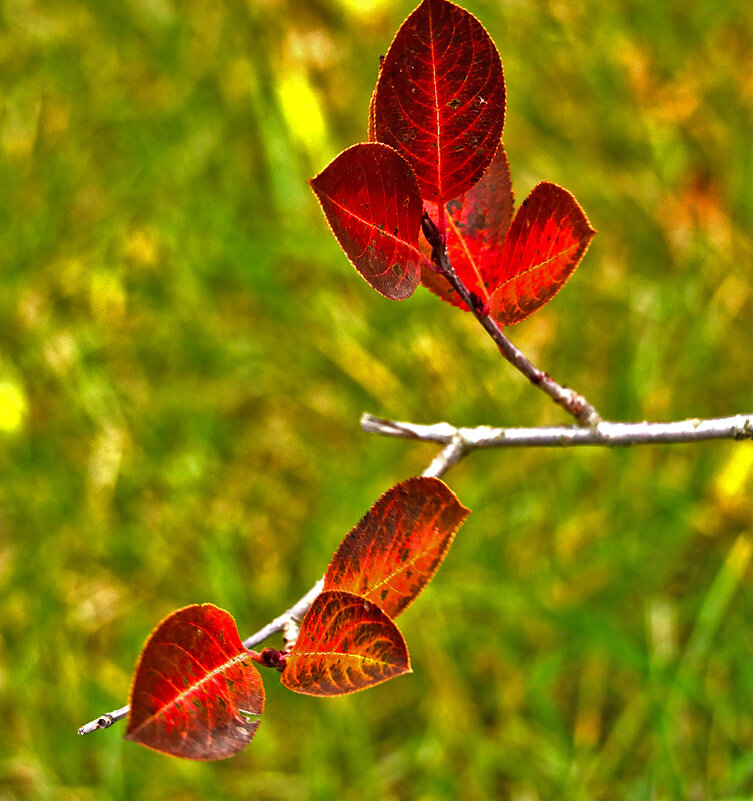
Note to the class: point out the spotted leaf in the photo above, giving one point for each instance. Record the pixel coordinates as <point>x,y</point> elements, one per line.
<point>545,243</point>
<point>195,693</point>
<point>346,643</point>
<point>440,98</point>
<point>399,544</point>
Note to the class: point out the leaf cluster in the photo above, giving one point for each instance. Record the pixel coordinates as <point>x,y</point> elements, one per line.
<point>196,693</point>
<point>435,126</point>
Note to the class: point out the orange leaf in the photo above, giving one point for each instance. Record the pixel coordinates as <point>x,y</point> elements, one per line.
<point>345,644</point>
<point>195,687</point>
<point>546,242</point>
<point>399,544</point>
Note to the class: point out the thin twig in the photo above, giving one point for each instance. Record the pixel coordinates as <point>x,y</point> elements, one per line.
<point>738,427</point>
<point>293,615</point>
<point>570,400</point>
<point>458,442</point>
<point>104,721</point>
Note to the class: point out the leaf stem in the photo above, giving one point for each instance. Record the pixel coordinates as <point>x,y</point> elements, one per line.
<point>442,222</point>
<point>571,401</point>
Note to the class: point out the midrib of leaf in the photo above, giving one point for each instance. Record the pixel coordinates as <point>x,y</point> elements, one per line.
<point>440,197</point>
<point>410,563</point>
<point>476,268</point>
<point>541,264</point>
<point>193,687</point>
<point>373,226</point>
<point>347,654</point>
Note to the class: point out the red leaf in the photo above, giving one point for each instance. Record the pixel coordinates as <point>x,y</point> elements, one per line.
<point>371,200</point>
<point>440,99</point>
<point>345,644</point>
<point>399,544</point>
<point>477,224</point>
<point>547,240</point>
<point>194,687</point>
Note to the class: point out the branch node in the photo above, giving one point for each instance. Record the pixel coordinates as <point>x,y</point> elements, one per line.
<point>745,431</point>
<point>290,631</point>
<point>270,657</point>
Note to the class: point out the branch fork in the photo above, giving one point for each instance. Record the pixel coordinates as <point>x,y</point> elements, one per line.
<point>457,442</point>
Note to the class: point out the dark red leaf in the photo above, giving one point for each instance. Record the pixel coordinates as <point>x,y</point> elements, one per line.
<point>546,241</point>
<point>371,200</point>
<point>399,544</point>
<point>477,224</point>
<point>195,687</point>
<point>440,99</point>
<point>346,643</point>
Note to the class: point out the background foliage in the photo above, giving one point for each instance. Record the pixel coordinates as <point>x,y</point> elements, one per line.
<point>185,353</point>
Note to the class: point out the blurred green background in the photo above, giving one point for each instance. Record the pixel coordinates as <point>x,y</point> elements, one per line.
<point>185,354</point>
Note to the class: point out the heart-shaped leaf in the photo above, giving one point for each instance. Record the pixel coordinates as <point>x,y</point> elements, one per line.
<point>195,687</point>
<point>440,98</point>
<point>371,200</point>
<point>545,243</point>
<point>477,224</point>
<point>399,544</point>
<point>346,643</point>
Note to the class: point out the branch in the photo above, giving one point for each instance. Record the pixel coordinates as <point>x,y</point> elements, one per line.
<point>458,442</point>
<point>570,400</point>
<point>288,621</point>
<point>464,440</point>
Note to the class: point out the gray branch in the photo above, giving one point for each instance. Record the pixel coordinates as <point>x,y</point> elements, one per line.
<point>605,433</point>
<point>458,442</point>
<point>290,616</point>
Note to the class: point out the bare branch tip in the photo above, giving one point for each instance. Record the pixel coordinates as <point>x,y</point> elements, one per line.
<point>102,722</point>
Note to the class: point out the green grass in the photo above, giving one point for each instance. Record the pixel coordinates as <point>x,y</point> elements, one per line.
<point>185,354</point>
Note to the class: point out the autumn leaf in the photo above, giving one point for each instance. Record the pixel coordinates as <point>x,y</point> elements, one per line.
<point>512,268</point>
<point>346,643</point>
<point>196,693</point>
<point>371,200</point>
<point>440,98</point>
<point>398,546</point>
<point>477,224</point>
<point>545,243</point>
